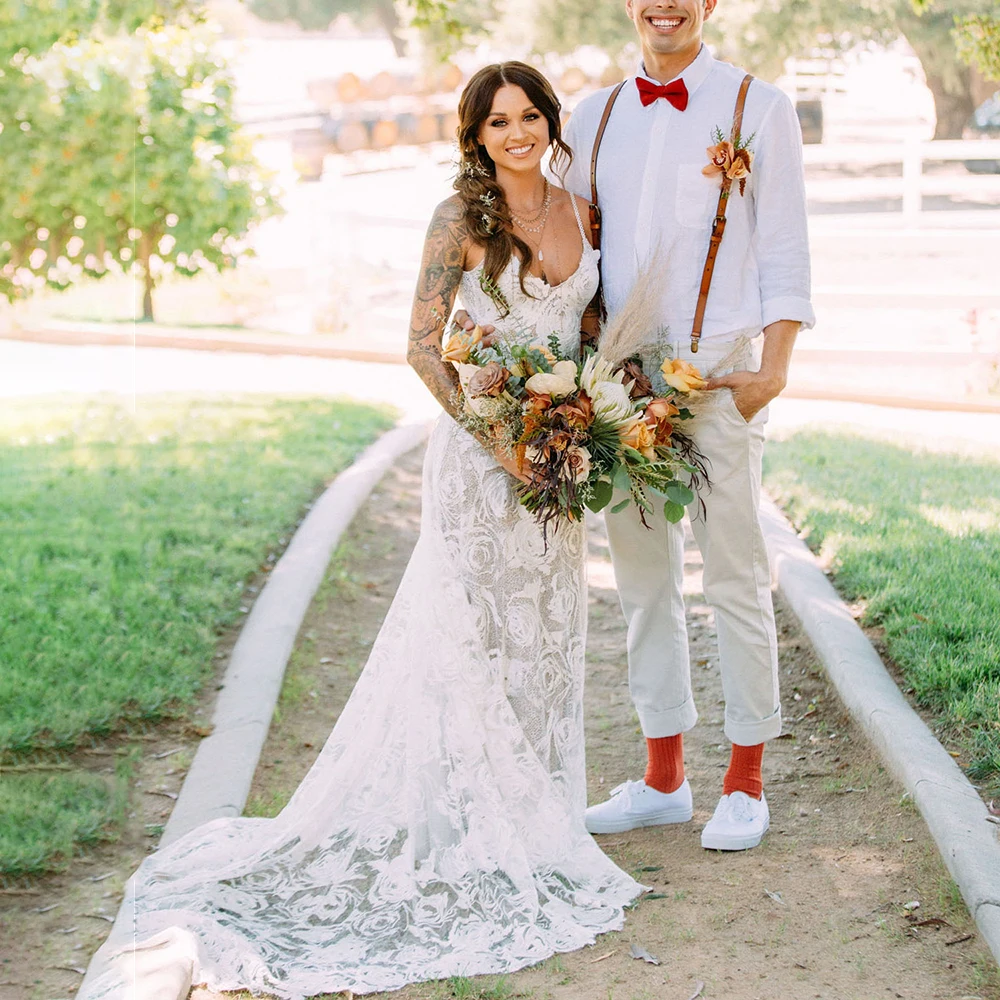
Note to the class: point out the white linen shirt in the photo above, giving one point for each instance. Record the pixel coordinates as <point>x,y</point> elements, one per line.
<point>657,205</point>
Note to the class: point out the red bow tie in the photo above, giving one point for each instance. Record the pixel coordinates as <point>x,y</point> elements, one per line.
<point>676,93</point>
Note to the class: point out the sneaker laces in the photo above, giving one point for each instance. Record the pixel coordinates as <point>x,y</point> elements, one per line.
<point>625,788</point>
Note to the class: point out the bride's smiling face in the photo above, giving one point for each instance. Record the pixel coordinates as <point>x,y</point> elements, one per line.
<point>515,133</point>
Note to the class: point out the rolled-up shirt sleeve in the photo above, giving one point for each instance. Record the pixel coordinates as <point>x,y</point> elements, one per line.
<point>781,237</point>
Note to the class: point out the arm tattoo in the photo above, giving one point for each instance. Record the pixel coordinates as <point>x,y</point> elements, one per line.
<point>437,286</point>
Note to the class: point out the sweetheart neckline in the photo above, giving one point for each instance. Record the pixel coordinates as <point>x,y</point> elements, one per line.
<point>587,249</point>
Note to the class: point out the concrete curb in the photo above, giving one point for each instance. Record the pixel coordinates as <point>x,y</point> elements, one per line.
<point>951,807</point>
<point>219,779</point>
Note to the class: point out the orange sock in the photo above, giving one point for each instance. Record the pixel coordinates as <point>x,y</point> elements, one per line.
<point>744,771</point>
<point>665,766</point>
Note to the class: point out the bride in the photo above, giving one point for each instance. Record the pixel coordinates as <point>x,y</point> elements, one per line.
<point>441,830</point>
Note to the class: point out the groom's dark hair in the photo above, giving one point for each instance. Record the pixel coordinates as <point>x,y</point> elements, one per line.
<point>487,215</point>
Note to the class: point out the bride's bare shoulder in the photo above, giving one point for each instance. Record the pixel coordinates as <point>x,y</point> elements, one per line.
<point>564,201</point>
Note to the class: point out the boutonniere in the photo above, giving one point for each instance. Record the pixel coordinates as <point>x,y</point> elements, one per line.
<point>731,158</point>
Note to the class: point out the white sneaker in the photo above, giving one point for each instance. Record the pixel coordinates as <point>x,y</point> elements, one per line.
<point>634,804</point>
<point>738,823</point>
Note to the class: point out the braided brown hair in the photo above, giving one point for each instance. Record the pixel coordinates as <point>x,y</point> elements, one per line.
<point>487,215</point>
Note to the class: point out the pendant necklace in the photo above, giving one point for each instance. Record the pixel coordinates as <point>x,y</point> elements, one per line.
<point>534,225</point>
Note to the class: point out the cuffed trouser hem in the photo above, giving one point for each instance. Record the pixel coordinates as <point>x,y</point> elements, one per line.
<point>749,734</point>
<point>656,725</point>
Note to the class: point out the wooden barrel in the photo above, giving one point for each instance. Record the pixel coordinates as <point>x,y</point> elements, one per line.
<point>351,136</point>
<point>385,133</point>
<point>382,86</point>
<point>350,88</point>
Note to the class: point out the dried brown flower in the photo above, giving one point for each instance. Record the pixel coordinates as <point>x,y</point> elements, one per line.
<point>641,384</point>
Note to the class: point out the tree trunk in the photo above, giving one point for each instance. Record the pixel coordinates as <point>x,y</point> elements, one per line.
<point>948,78</point>
<point>953,109</point>
<point>385,10</point>
<point>147,297</point>
<point>144,250</point>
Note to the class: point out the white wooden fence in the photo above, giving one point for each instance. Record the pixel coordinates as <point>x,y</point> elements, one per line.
<point>913,183</point>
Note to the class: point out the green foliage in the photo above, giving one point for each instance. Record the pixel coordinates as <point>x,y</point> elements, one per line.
<point>978,40</point>
<point>916,536</point>
<point>564,25</point>
<point>47,816</point>
<point>126,540</point>
<point>121,153</point>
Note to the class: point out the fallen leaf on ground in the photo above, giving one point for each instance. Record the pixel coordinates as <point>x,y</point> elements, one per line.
<point>912,905</point>
<point>638,952</point>
<point>698,987</point>
<point>929,922</point>
<point>959,940</point>
<point>776,896</point>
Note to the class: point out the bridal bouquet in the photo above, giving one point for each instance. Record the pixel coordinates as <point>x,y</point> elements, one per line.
<point>579,430</point>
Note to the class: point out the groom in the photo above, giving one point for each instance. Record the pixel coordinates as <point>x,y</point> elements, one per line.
<point>657,202</point>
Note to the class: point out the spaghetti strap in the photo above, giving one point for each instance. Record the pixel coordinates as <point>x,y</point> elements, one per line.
<point>579,221</point>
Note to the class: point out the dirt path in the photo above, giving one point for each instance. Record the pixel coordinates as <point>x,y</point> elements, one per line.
<point>818,911</point>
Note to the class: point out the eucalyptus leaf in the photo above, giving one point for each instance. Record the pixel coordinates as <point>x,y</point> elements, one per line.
<point>673,512</point>
<point>601,494</point>
<point>620,477</point>
<point>679,493</point>
<point>619,507</point>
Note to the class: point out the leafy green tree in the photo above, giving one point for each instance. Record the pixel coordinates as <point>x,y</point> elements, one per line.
<point>121,154</point>
<point>978,38</point>
<point>444,24</point>
<point>316,15</point>
<point>977,34</point>
<point>564,25</point>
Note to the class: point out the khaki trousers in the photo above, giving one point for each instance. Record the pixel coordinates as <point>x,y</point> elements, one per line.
<point>649,570</point>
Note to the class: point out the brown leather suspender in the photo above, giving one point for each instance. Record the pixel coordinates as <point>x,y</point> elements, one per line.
<point>595,212</point>
<point>718,223</point>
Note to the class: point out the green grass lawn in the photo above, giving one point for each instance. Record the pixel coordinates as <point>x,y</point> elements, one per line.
<point>916,537</point>
<point>46,817</point>
<point>126,540</point>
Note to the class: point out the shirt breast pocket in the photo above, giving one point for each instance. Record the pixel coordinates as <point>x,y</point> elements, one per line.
<point>697,196</point>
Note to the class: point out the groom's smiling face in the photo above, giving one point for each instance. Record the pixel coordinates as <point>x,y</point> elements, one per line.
<point>668,27</point>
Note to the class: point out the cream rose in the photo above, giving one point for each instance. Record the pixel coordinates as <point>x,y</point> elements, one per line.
<point>578,462</point>
<point>561,381</point>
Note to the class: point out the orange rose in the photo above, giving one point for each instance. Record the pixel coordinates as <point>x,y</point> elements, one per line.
<point>578,413</point>
<point>658,413</point>
<point>661,409</point>
<point>638,434</point>
<point>538,402</point>
<point>682,375</point>
<point>461,344</point>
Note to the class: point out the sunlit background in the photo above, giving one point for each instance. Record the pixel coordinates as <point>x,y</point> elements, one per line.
<point>265,169</point>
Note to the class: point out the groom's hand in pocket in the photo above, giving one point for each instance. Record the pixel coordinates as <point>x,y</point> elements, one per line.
<point>463,320</point>
<point>752,391</point>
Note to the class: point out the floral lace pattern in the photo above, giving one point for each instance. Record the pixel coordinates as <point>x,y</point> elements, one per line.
<point>440,831</point>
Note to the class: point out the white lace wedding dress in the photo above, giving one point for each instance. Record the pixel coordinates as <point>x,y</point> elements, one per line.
<point>440,831</point>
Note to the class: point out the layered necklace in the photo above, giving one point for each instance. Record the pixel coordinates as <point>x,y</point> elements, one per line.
<point>535,225</point>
